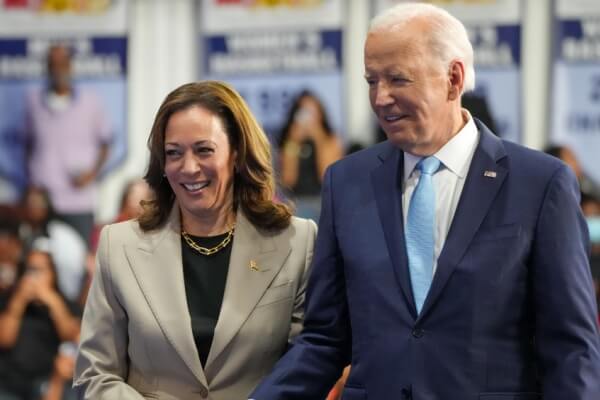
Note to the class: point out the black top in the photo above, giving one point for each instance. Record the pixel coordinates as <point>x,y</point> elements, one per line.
<point>205,278</point>
<point>308,183</point>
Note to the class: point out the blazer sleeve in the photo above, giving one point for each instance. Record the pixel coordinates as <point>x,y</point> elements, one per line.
<point>101,364</point>
<point>298,311</point>
<point>316,359</point>
<point>566,330</point>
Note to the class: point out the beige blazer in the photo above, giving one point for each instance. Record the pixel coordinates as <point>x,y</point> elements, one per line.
<point>136,337</point>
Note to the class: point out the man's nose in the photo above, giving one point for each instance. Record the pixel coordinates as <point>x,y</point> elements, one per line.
<point>383,95</point>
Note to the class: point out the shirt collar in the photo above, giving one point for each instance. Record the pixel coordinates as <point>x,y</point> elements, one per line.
<point>455,155</point>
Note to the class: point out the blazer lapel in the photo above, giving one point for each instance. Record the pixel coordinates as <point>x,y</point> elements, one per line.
<point>255,261</point>
<point>387,185</point>
<point>157,265</point>
<point>477,196</point>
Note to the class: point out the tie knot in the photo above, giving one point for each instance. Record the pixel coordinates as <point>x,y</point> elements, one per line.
<point>428,165</point>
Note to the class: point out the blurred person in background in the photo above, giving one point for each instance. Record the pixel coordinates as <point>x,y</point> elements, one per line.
<point>589,188</point>
<point>58,387</point>
<point>478,106</point>
<point>307,146</point>
<point>201,295</point>
<point>590,206</point>
<point>592,213</point>
<point>136,191</point>
<point>130,207</point>
<point>34,320</point>
<point>11,249</point>
<point>68,135</point>
<point>67,247</point>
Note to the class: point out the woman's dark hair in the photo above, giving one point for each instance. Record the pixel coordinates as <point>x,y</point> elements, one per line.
<point>554,150</point>
<point>289,119</point>
<point>254,182</point>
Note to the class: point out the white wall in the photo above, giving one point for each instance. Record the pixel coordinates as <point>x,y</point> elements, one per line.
<point>163,51</point>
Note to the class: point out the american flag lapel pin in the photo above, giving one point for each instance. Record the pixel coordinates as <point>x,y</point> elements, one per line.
<point>490,174</point>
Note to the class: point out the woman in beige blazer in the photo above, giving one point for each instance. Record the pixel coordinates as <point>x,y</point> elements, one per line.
<point>199,297</point>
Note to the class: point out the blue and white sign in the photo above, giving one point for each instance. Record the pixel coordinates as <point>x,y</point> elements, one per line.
<point>99,44</point>
<point>273,52</point>
<point>576,82</point>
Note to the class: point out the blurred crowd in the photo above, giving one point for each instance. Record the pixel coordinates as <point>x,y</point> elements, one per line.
<point>590,206</point>
<point>46,268</point>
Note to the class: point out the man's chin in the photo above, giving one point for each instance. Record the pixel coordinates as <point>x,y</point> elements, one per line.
<point>400,139</point>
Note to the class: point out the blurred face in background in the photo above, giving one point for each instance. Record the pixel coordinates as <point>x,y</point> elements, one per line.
<point>569,158</point>
<point>59,69</point>
<point>38,266</point>
<point>36,206</point>
<point>309,111</point>
<point>137,191</point>
<point>199,163</point>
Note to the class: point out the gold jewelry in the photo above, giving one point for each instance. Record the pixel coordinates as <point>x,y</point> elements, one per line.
<point>205,250</point>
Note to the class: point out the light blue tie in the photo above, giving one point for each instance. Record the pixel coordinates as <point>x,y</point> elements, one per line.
<point>419,231</point>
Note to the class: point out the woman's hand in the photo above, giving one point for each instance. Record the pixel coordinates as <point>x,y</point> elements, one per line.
<point>47,295</point>
<point>26,290</point>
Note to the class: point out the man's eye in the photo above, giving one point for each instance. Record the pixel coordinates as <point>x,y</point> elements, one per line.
<point>399,79</point>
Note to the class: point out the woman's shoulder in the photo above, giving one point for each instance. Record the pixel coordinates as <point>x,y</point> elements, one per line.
<point>300,222</point>
<point>302,226</point>
<point>125,231</point>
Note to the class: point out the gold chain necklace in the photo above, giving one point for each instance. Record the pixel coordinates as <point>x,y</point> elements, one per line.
<point>205,250</point>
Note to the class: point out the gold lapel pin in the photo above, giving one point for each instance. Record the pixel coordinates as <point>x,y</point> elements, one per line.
<point>253,266</point>
<point>490,174</point>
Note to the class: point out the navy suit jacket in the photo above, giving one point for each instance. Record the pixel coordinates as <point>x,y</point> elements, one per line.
<point>510,314</point>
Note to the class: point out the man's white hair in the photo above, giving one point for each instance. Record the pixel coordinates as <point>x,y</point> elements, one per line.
<point>448,38</point>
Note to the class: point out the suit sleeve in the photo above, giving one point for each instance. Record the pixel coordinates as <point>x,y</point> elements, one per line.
<point>316,359</point>
<point>566,331</point>
<point>101,366</point>
<point>298,312</point>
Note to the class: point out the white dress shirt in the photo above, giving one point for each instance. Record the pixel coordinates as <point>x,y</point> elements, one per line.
<point>448,182</point>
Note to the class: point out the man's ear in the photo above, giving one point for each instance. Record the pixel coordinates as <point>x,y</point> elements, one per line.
<point>456,79</point>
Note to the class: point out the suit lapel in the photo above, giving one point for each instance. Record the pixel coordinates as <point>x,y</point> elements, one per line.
<point>157,265</point>
<point>387,184</point>
<point>477,196</point>
<point>246,285</point>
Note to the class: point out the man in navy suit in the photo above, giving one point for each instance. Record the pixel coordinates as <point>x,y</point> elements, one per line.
<point>493,298</point>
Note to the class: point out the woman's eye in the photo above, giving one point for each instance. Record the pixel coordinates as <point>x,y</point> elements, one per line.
<point>205,150</point>
<point>171,153</point>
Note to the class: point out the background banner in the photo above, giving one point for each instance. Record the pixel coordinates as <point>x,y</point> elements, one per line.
<point>271,50</point>
<point>96,31</point>
<point>494,27</point>
<point>576,81</point>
